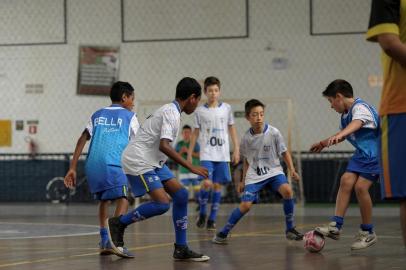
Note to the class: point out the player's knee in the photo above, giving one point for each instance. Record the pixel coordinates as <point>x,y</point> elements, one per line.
<point>346,184</point>
<point>245,207</point>
<point>181,196</point>
<point>361,189</point>
<point>206,185</point>
<point>216,186</point>
<point>286,191</point>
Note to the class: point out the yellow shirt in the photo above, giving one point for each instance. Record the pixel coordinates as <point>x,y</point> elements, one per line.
<point>389,16</point>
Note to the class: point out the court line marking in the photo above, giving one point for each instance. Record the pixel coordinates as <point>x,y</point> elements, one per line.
<point>137,248</point>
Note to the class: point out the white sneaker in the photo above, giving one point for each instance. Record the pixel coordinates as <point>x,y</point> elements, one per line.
<point>363,240</point>
<point>330,230</point>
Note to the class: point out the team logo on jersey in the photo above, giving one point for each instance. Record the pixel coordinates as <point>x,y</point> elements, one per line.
<point>267,148</point>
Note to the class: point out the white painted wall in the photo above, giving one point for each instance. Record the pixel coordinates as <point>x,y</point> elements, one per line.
<point>277,28</point>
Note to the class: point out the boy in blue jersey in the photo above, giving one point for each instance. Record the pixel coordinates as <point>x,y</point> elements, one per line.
<point>262,146</point>
<point>214,122</point>
<point>360,126</point>
<point>109,131</point>
<point>143,162</point>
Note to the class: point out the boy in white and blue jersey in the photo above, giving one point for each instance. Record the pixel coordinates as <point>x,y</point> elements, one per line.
<point>214,122</point>
<point>360,126</point>
<point>144,164</point>
<point>109,130</point>
<point>261,147</point>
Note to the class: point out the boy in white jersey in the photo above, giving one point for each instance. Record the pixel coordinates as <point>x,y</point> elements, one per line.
<point>144,163</point>
<point>214,121</point>
<point>360,126</point>
<point>262,146</point>
<point>109,130</point>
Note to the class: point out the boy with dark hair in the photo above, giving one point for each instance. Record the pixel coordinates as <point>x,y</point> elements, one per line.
<point>185,176</point>
<point>262,146</point>
<point>109,130</point>
<point>144,164</point>
<point>214,122</point>
<point>360,126</point>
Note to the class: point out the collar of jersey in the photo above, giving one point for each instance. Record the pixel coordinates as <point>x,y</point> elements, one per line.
<point>207,105</point>
<point>265,129</point>
<point>116,105</point>
<point>177,105</point>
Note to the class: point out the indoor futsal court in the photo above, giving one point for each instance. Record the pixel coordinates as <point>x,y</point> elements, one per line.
<point>54,236</point>
<point>209,134</point>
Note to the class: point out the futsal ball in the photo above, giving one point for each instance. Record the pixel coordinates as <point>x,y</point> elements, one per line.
<point>313,241</point>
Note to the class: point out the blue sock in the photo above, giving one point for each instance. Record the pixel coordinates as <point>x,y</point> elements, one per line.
<point>215,204</point>
<point>179,216</point>
<point>203,198</point>
<point>103,234</point>
<point>144,211</point>
<point>288,207</point>
<point>367,227</point>
<point>235,216</point>
<point>339,221</point>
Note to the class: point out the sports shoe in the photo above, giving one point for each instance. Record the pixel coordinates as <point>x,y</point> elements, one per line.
<point>115,231</point>
<point>363,240</point>
<point>211,225</point>
<point>183,253</point>
<point>292,234</point>
<point>220,239</point>
<point>201,221</point>
<point>105,247</point>
<point>330,230</point>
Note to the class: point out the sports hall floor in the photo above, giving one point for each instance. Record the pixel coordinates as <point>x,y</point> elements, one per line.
<point>60,237</point>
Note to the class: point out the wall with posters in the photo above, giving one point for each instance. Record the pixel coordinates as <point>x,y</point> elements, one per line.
<point>258,48</point>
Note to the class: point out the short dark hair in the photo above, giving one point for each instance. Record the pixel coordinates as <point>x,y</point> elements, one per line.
<point>187,87</point>
<point>187,127</point>
<point>339,87</point>
<point>118,89</point>
<point>252,103</point>
<point>211,81</point>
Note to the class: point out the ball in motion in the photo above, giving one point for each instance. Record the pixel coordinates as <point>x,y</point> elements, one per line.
<point>313,241</point>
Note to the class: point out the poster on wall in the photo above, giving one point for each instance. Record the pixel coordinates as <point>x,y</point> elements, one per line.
<point>5,133</point>
<point>98,69</point>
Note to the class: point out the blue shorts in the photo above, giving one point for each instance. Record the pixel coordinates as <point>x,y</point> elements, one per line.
<point>392,154</point>
<point>111,194</point>
<point>251,191</point>
<point>149,181</point>
<point>219,171</point>
<point>104,177</point>
<point>366,168</point>
<point>189,181</point>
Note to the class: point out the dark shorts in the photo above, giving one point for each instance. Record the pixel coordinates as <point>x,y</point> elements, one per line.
<point>393,156</point>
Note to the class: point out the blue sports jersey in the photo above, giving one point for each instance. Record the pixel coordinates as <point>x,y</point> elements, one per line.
<point>365,141</point>
<point>110,129</point>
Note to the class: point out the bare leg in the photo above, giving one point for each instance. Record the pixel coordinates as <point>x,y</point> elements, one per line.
<point>103,213</point>
<point>347,183</point>
<point>121,207</point>
<point>364,199</point>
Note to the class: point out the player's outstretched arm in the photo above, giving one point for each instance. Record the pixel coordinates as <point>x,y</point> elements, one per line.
<point>393,46</point>
<point>289,163</point>
<point>70,178</point>
<point>193,139</point>
<point>241,185</point>
<point>236,145</point>
<point>166,148</point>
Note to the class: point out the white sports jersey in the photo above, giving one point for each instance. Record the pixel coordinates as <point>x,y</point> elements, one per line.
<point>363,113</point>
<point>142,153</point>
<point>213,137</point>
<point>262,152</point>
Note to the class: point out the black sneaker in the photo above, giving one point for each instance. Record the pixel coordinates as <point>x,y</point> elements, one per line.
<point>116,234</point>
<point>183,253</point>
<point>211,225</point>
<point>201,221</point>
<point>220,238</point>
<point>292,234</point>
